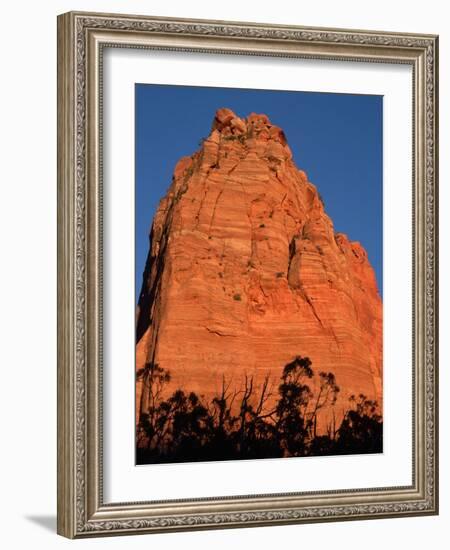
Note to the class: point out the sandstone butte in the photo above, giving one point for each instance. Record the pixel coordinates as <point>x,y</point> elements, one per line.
<point>245,272</point>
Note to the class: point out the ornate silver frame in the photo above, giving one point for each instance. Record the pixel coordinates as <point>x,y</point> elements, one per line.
<point>81,39</point>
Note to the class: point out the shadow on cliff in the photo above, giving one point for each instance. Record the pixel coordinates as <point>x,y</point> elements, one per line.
<point>254,422</point>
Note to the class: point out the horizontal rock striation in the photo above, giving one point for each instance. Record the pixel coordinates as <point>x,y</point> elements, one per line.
<point>245,272</point>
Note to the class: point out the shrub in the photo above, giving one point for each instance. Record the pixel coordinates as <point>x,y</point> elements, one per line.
<point>253,421</point>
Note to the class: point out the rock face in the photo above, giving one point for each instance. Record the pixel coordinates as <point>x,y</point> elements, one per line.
<point>245,272</point>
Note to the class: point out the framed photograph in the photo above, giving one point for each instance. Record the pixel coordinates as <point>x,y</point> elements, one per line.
<point>247,289</point>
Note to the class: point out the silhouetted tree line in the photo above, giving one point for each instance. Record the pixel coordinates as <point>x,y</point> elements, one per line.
<point>240,424</point>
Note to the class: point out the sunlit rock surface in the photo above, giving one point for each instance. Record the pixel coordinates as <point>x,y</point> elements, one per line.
<point>245,272</point>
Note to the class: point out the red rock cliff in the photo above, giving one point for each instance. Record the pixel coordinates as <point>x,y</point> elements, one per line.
<point>245,272</point>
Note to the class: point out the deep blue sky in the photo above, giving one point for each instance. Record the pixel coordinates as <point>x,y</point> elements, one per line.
<point>335,138</point>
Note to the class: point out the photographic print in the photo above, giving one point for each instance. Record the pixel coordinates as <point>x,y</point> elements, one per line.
<point>258,274</point>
